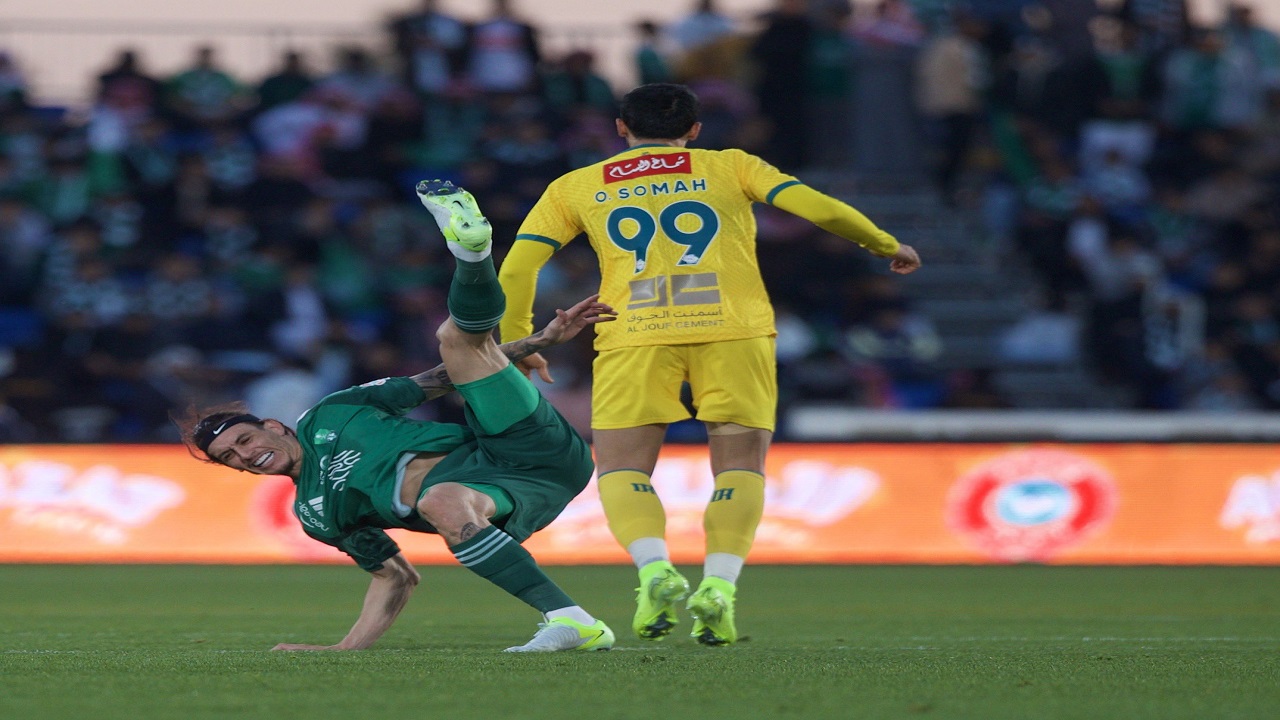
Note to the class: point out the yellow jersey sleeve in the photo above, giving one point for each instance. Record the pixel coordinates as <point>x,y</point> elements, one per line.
<point>760,181</point>
<point>835,217</point>
<point>549,226</point>
<point>519,280</point>
<point>551,221</point>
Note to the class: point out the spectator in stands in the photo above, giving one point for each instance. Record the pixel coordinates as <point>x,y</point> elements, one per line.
<point>13,85</point>
<point>830,82</point>
<point>125,85</point>
<point>1163,24</point>
<point>178,297</point>
<point>357,82</point>
<point>24,240</point>
<point>703,26</point>
<point>291,81</point>
<point>903,346</point>
<point>204,93</point>
<point>65,193</point>
<point>431,47</point>
<point>651,55</point>
<point>504,54</point>
<point>781,55</point>
<point>576,86</point>
<point>890,23</point>
<point>952,76</point>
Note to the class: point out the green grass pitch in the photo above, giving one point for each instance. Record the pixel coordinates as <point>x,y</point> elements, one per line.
<point>821,642</point>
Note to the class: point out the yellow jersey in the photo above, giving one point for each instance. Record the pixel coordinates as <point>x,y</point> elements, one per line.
<point>675,236</point>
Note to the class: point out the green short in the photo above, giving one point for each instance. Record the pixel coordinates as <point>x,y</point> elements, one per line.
<point>525,455</point>
<point>502,501</point>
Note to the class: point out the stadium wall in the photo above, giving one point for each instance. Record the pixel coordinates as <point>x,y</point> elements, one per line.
<point>1061,503</point>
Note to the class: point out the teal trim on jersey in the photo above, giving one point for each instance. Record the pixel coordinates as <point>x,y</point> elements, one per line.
<point>648,145</point>
<point>774,192</point>
<point>539,238</point>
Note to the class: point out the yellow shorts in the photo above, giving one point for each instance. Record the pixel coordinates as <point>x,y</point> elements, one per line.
<point>732,381</point>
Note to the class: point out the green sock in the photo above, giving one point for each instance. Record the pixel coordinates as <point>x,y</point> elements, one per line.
<point>496,557</point>
<point>476,300</point>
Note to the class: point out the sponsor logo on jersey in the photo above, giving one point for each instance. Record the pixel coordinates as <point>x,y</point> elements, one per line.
<point>309,518</point>
<point>324,436</point>
<point>375,383</point>
<point>1254,507</point>
<point>335,470</point>
<point>1031,504</point>
<point>668,164</point>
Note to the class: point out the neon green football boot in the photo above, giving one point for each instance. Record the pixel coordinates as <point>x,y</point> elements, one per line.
<point>712,610</point>
<point>661,587</point>
<point>457,214</point>
<point>565,634</point>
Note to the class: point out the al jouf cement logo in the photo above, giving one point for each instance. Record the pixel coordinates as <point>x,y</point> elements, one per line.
<point>1028,505</point>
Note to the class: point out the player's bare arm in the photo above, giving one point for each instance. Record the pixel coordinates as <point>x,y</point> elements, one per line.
<point>389,591</point>
<point>566,326</point>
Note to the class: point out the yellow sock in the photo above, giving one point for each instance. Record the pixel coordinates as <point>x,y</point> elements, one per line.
<point>734,512</point>
<point>631,506</point>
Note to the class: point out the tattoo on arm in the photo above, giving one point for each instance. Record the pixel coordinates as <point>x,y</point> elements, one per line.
<point>468,531</point>
<point>521,349</point>
<point>435,382</point>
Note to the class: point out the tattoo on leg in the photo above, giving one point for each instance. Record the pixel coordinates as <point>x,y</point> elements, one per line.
<point>468,531</point>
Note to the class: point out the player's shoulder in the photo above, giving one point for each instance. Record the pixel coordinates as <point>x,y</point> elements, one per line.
<point>724,155</point>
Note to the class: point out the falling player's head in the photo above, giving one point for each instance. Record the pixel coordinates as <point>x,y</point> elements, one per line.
<point>660,111</point>
<point>230,435</point>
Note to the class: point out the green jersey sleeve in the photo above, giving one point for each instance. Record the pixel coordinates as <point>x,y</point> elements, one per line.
<point>369,547</point>
<point>395,395</point>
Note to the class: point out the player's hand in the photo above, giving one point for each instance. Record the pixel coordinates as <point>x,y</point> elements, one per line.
<point>294,647</point>
<point>535,363</point>
<point>569,323</point>
<point>905,260</point>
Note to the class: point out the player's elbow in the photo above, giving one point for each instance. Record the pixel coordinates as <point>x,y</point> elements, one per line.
<point>398,572</point>
<point>408,577</point>
<point>824,212</point>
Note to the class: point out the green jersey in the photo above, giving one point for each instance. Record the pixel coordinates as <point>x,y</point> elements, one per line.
<point>351,443</point>
<point>356,443</point>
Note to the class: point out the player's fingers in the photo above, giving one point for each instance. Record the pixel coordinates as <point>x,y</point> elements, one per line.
<point>544,372</point>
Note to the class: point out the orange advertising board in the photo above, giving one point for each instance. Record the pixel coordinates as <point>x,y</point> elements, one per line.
<point>917,503</point>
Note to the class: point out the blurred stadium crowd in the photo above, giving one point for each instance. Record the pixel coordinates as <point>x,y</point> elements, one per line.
<point>203,237</point>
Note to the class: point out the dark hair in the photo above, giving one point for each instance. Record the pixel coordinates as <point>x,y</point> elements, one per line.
<point>198,427</point>
<point>659,111</point>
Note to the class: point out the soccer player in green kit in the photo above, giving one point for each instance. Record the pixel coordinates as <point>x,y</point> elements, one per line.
<point>360,466</point>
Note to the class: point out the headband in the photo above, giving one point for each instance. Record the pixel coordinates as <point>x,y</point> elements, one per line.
<point>207,431</point>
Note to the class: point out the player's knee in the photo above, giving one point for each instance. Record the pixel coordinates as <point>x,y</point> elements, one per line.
<point>449,334</point>
<point>450,506</point>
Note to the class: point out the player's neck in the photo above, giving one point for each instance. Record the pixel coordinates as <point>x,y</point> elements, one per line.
<point>636,142</point>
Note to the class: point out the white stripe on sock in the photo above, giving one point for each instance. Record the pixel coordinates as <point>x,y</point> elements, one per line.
<point>467,557</point>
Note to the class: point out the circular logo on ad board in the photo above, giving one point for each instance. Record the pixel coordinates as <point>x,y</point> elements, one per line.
<point>1027,505</point>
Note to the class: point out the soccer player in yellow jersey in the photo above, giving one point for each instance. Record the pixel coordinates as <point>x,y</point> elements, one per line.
<point>675,235</point>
